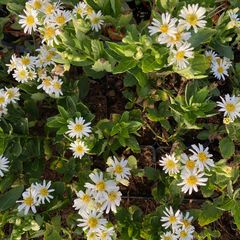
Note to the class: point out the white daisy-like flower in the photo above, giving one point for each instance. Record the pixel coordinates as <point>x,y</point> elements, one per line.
<point>29,21</point>
<point>168,236</point>
<point>186,220</point>
<point>106,234</point>
<point>12,94</point>
<point>189,163</point>
<point>96,20</point>
<point>60,17</point>
<point>166,26</point>
<point>29,201</point>
<point>35,4</point>
<point>3,111</point>
<point>192,17</point>
<point>79,148</point>
<point>46,85</point>
<point>32,75</point>
<point>14,62</point>
<point>112,201</point>
<point>234,18</point>
<point>191,180</point>
<point>185,233</point>
<point>44,191</point>
<point>83,201</point>
<point>4,165</point>
<point>177,40</point>
<point>80,9</point>
<point>79,128</point>
<point>230,106</point>
<point>46,56</point>
<point>170,164</point>
<point>118,168</point>
<point>100,187</point>
<point>3,98</point>
<point>21,74</point>
<point>181,55</point>
<point>92,221</point>
<point>57,86</point>
<point>220,67</point>
<point>92,235</point>
<point>89,11</point>
<point>49,8</point>
<point>171,219</point>
<point>27,61</point>
<point>211,56</point>
<point>202,157</point>
<point>49,34</point>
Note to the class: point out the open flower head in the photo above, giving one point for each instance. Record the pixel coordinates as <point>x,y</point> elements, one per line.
<point>96,20</point>
<point>44,191</point>
<point>171,219</point>
<point>170,164</point>
<point>29,21</point>
<point>79,148</point>
<point>4,165</point>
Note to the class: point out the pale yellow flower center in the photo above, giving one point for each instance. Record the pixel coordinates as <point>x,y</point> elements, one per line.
<point>49,32</point>
<point>92,222</point>
<point>37,5</point>
<point>183,234</point>
<point>30,20</point>
<point>202,156</point>
<point>28,201</point>
<point>230,107</point>
<point>220,69</point>
<point>60,19</point>
<point>86,198</point>
<point>57,85</point>
<point>180,55</point>
<point>192,180</point>
<point>186,223</point>
<point>172,219</point>
<point>167,238</point>
<point>49,9</point>
<point>44,191</point>
<point>22,74</point>
<point>78,127</point>
<point>79,149</point>
<point>50,55</point>
<point>101,186</point>
<point>192,19</point>
<point>46,82</point>
<point>112,196</point>
<point>89,10</point>
<point>2,100</point>
<point>118,169</point>
<point>170,164</point>
<point>164,28</point>
<point>95,20</point>
<point>227,120</point>
<point>10,94</point>
<point>25,60</point>
<point>177,36</point>
<point>190,164</point>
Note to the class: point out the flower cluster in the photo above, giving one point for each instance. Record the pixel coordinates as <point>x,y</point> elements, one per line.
<point>191,167</point>
<point>78,129</point>
<point>181,226</point>
<point>230,105</point>
<point>234,18</point>
<point>34,196</point>
<point>219,66</point>
<point>4,167</point>
<point>101,196</point>
<point>174,32</point>
<point>7,96</point>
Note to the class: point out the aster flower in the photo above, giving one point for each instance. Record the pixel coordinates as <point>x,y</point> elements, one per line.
<point>44,191</point>
<point>4,165</point>
<point>96,20</point>
<point>171,219</point>
<point>79,148</point>
<point>220,67</point>
<point>170,164</point>
<point>29,21</point>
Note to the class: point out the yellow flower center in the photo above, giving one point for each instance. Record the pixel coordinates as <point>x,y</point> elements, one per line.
<point>50,55</point>
<point>220,69</point>
<point>227,120</point>
<point>164,28</point>
<point>10,94</point>
<point>180,55</point>
<point>49,9</point>
<point>57,85</point>
<point>86,198</point>
<point>49,32</point>
<point>89,10</point>
<point>230,107</point>
<point>22,74</point>
<point>183,234</point>
<point>167,238</point>
<point>37,5</point>
<point>170,164</point>
<point>95,20</point>
<point>202,156</point>
<point>46,82</point>
<point>60,19</point>
<point>25,60</point>
<point>78,127</point>
<point>79,11</point>
<point>186,223</point>
<point>28,201</point>
<point>172,219</point>
<point>192,180</point>
<point>2,100</point>
<point>79,149</point>
<point>92,222</point>
<point>118,169</point>
<point>44,191</point>
<point>190,164</point>
<point>192,19</point>
<point>112,196</point>
<point>30,20</point>
<point>101,186</point>
<point>177,36</point>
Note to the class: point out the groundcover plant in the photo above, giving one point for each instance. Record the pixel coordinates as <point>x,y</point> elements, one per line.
<point>120,119</point>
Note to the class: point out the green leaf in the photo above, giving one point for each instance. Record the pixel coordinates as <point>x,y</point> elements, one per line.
<point>223,50</point>
<point>149,64</point>
<point>102,65</point>
<point>140,76</point>
<point>124,65</point>
<point>8,199</point>
<point>51,233</point>
<point>151,173</point>
<point>227,147</point>
<point>236,213</point>
<point>63,112</point>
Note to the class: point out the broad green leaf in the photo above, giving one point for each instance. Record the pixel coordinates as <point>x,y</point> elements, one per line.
<point>227,147</point>
<point>140,76</point>
<point>236,213</point>
<point>150,64</point>
<point>124,65</point>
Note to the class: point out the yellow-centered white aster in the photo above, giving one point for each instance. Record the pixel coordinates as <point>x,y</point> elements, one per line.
<point>60,17</point>
<point>186,220</point>
<point>79,148</point>
<point>29,21</point>
<point>185,233</point>
<point>80,9</point>
<point>49,34</point>
<point>166,26</point>
<point>49,8</point>
<point>21,74</point>
<point>12,94</point>
<point>181,55</point>
<point>3,98</point>
<point>78,128</point>
<point>14,62</point>
<point>230,105</point>
<point>96,20</point>
<point>4,165</point>
<point>171,219</point>
<point>92,221</point>
<point>191,180</point>
<point>44,191</point>
<point>188,163</point>
<point>83,201</point>
<point>28,61</point>
<point>29,201</point>
<point>202,157</point>
<point>118,168</point>
<point>220,67</point>
<point>193,17</point>
<point>211,56</point>
<point>106,234</point>
<point>35,4</point>
<point>168,236</point>
<point>170,164</point>
<point>46,84</point>
<point>57,86</point>
<point>100,187</point>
